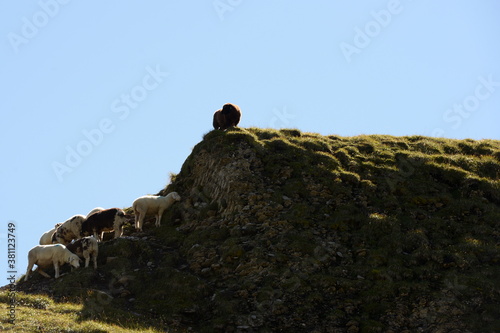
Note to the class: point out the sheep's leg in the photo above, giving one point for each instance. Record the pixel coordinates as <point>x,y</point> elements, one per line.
<point>42,272</point>
<point>158,217</point>
<point>87,259</point>
<point>56,268</point>
<point>118,230</point>
<point>30,267</point>
<point>141,221</point>
<point>136,218</point>
<point>94,259</point>
<point>102,235</point>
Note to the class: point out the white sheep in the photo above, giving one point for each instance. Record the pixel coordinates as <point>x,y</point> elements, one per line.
<point>46,238</point>
<point>95,210</point>
<point>45,255</point>
<point>85,248</point>
<point>152,204</point>
<point>69,230</point>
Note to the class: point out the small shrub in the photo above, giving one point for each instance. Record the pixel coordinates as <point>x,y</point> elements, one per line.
<point>489,167</point>
<point>350,177</point>
<point>291,132</point>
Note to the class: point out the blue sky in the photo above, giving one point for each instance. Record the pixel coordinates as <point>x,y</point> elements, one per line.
<point>102,100</point>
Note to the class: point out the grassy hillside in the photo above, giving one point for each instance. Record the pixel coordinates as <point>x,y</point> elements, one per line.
<point>39,313</point>
<point>291,231</point>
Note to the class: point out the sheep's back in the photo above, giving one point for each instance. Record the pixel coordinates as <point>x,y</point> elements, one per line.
<point>149,204</point>
<point>46,238</point>
<point>44,254</point>
<point>73,224</point>
<point>104,218</point>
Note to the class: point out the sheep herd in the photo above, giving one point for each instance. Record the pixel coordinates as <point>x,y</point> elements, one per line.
<point>78,237</point>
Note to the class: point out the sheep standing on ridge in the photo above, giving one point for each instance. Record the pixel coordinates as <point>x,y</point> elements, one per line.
<point>45,255</point>
<point>228,116</point>
<point>152,204</point>
<point>85,248</point>
<point>46,238</point>
<point>69,230</point>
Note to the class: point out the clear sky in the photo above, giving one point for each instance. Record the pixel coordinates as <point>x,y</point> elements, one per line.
<point>101,100</point>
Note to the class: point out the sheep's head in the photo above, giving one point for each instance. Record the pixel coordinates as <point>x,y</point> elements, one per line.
<point>175,196</point>
<point>229,107</point>
<point>120,217</point>
<point>74,260</point>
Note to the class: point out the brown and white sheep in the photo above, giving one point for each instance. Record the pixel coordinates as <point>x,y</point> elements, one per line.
<point>85,248</point>
<point>228,116</point>
<point>69,230</point>
<point>53,254</point>
<point>152,204</point>
<point>107,220</point>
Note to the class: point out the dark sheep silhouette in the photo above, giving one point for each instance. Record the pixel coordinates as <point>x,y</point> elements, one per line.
<point>228,116</point>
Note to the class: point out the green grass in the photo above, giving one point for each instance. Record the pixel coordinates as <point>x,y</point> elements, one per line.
<point>39,313</point>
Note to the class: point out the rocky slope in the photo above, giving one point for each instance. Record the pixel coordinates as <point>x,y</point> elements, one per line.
<point>297,232</point>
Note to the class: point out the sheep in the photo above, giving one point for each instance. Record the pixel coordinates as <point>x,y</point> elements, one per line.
<point>85,248</point>
<point>104,221</point>
<point>152,204</point>
<point>95,210</point>
<point>228,116</point>
<point>46,238</point>
<point>69,230</point>
<point>45,255</point>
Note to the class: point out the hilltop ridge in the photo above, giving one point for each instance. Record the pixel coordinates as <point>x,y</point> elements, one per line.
<point>280,230</point>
